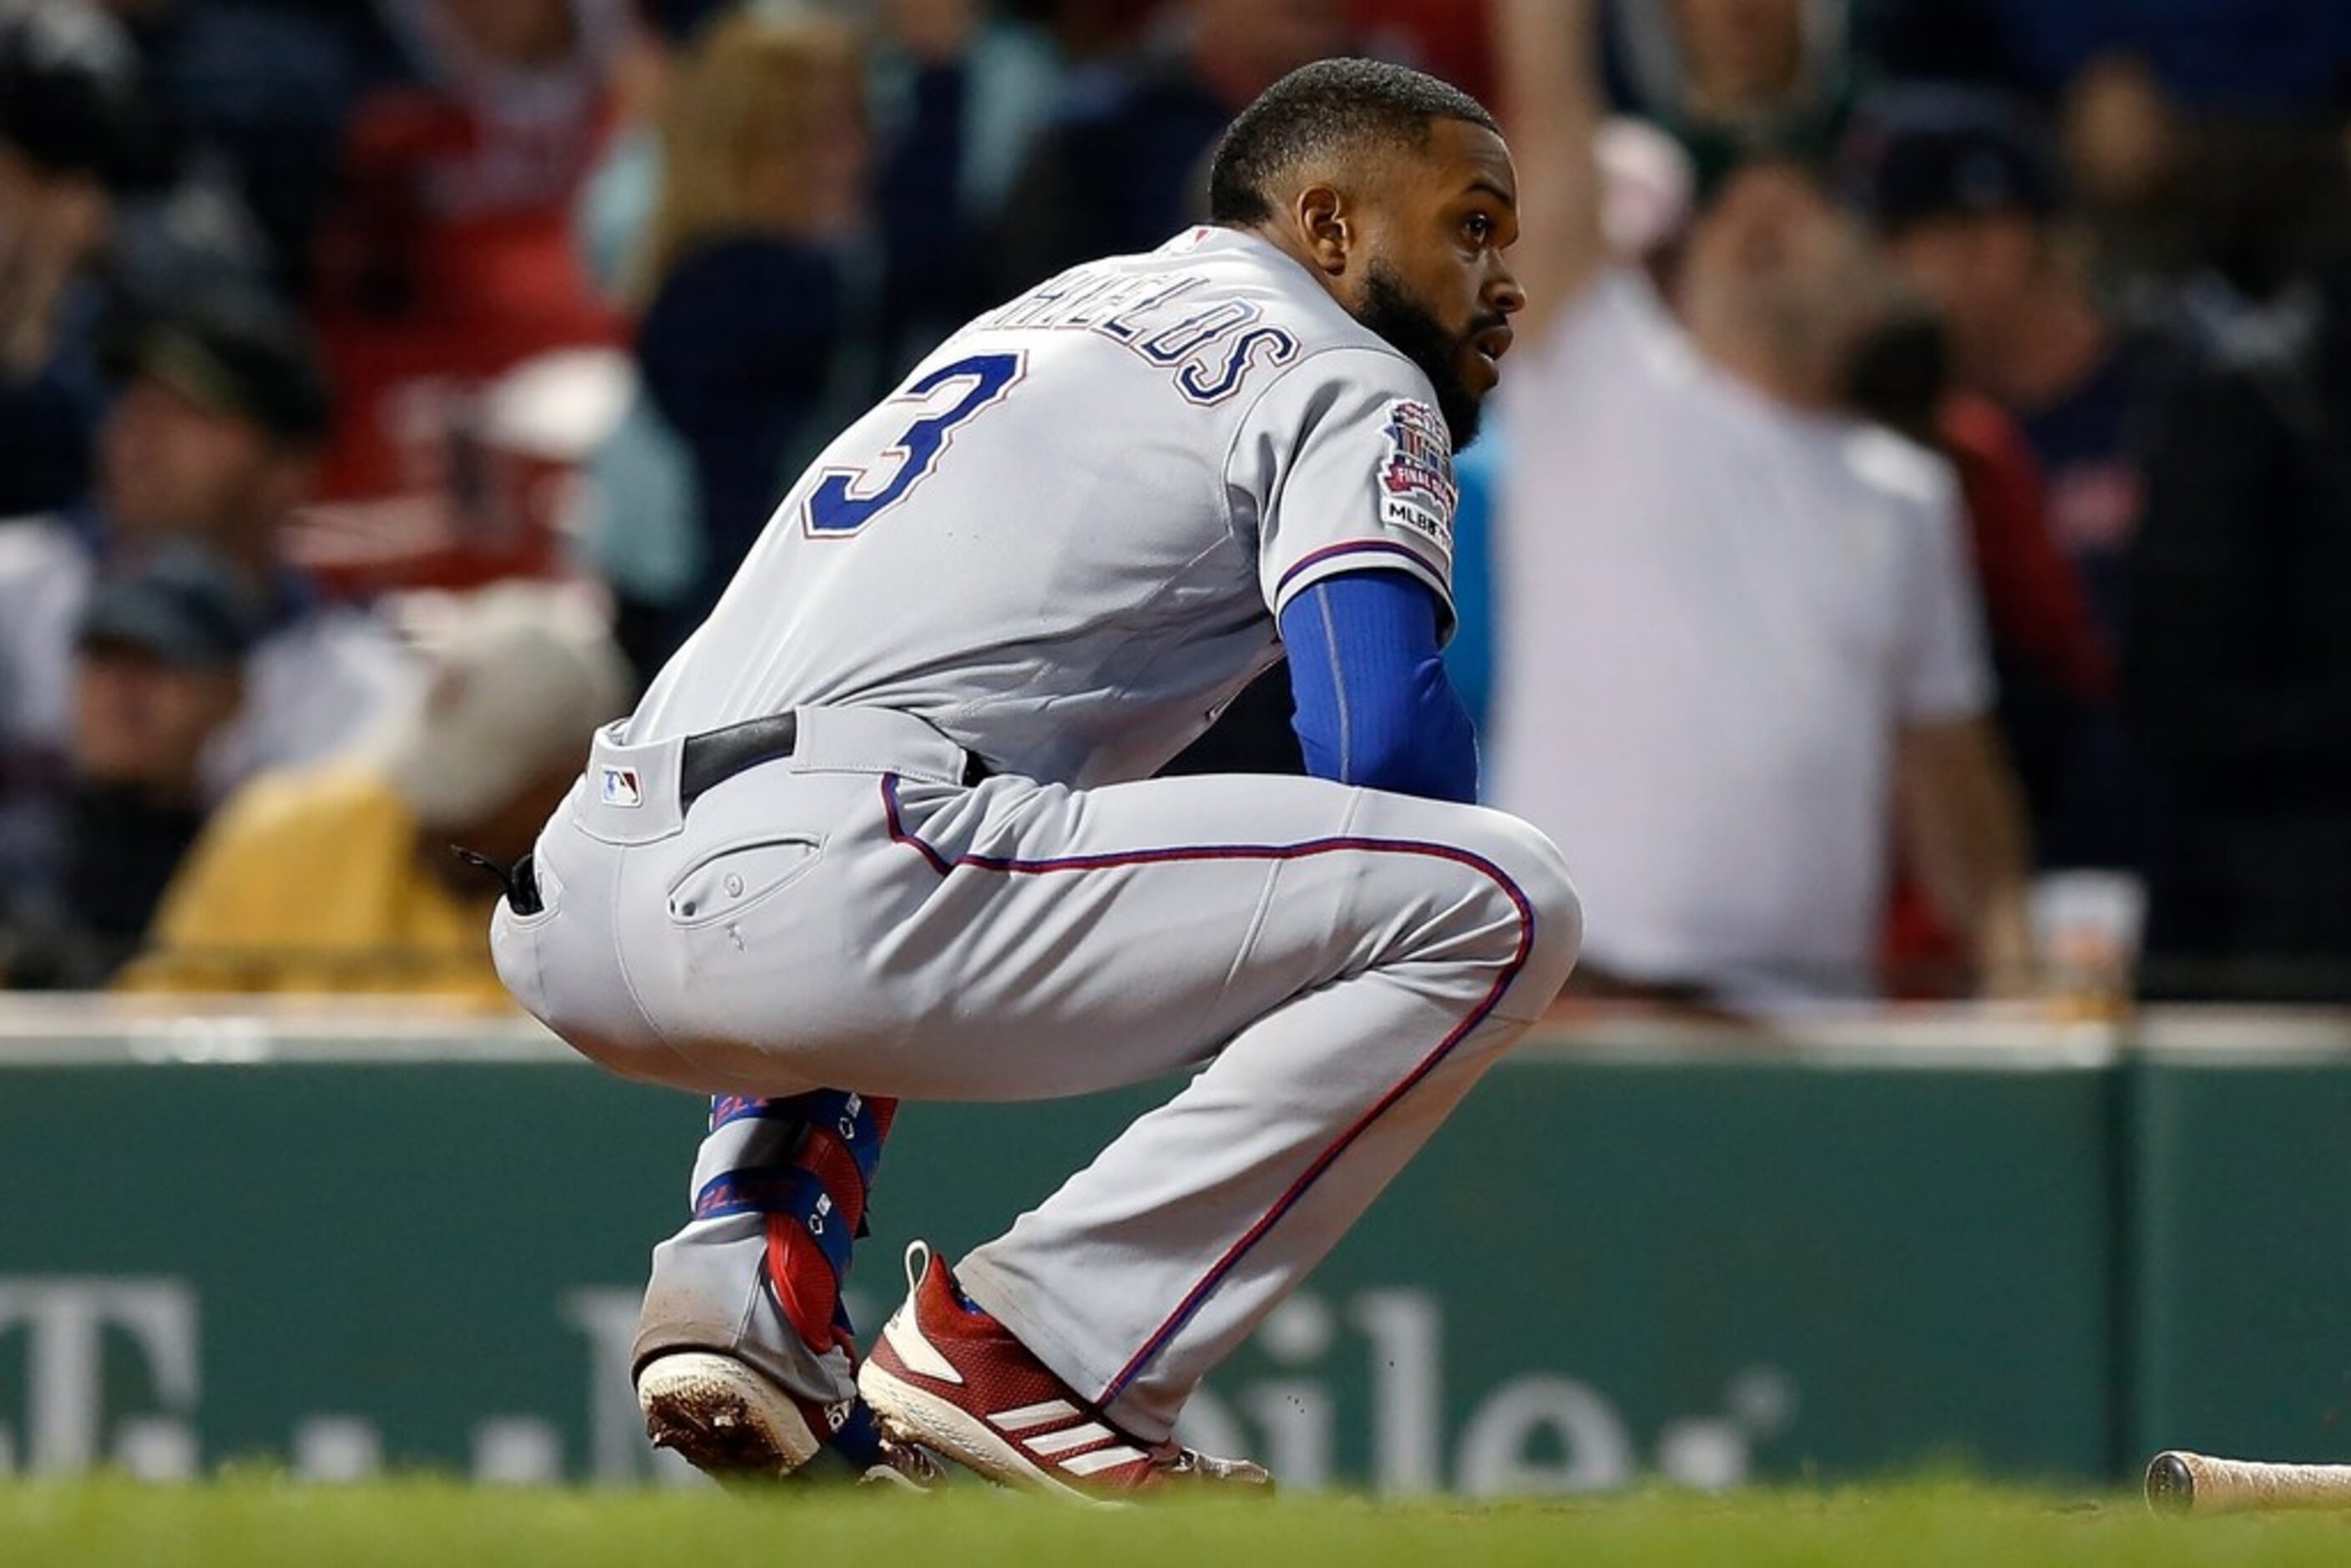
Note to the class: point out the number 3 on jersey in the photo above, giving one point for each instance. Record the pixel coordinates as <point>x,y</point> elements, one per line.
<point>846,499</point>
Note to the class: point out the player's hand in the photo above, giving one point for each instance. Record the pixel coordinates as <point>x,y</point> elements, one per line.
<point>2008,966</point>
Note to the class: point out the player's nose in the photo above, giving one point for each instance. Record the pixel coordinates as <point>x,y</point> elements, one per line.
<point>1502,292</point>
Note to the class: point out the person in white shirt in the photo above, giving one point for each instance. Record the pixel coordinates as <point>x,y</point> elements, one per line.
<point>1741,660</point>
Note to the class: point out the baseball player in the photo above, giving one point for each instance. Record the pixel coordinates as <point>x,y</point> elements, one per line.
<point>885,828</point>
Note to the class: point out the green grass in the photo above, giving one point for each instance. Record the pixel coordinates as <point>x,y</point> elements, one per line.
<point>259,1523</point>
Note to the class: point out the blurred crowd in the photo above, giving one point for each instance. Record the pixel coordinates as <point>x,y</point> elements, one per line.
<point>1903,563</point>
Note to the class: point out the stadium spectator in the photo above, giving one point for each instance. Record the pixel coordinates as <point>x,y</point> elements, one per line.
<point>341,878</point>
<point>1123,165</point>
<point>2196,134</point>
<point>213,440</point>
<point>2278,56</point>
<point>1443,38</point>
<point>68,133</point>
<point>761,325</point>
<point>956,94</point>
<point>1739,639</point>
<point>89,125</point>
<point>158,672</point>
<point>103,205</point>
<point>2053,664</point>
<point>1735,79</point>
<point>447,263</point>
<point>961,98</point>
<point>2239,673</point>
<point>253,97</point>
<point>631,523</point>
<point>1966,200</point>
<point>1084,30</point>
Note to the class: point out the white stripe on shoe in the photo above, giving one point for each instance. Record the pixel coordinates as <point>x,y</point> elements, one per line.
<point>1029,1416</point>
<point>915,1414</point>
<point>1055,1443</point>
<point>1101,1459</point>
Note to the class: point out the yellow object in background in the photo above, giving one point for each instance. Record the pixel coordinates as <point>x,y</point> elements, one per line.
<point>321,881</point>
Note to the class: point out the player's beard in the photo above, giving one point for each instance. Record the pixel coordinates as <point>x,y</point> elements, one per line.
<point>1419,335</point>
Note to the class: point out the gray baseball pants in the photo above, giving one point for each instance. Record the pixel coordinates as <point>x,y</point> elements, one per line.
<point>1341,964</point>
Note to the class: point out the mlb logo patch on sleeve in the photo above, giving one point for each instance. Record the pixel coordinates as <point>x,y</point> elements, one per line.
<point>619,787</point>
<point>1417,489</point>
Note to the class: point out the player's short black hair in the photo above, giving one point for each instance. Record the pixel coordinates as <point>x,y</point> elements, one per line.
<point>1329,104</point>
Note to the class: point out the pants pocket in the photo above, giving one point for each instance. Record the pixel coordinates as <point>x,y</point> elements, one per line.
<point>726,884</point>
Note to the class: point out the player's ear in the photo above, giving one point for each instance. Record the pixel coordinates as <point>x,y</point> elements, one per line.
<point>1326,227</point>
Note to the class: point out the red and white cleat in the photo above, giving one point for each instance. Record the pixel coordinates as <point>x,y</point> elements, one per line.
<point>950,1378</point>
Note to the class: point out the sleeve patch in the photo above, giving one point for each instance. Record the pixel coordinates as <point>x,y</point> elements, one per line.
<point>1416,487</point>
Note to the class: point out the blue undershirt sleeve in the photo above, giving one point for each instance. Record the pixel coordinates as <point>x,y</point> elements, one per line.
<point>1375,705</point>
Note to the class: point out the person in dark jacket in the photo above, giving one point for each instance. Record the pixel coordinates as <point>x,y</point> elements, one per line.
<point>158,671</point>
<point>1125,163</point>
<point>2238,673</point>
<point>756,319</point>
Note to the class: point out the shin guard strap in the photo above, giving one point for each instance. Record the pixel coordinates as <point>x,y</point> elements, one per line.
<point>789,1192</point>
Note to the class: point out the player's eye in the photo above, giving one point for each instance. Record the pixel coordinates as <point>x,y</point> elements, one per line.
<point>1478,230</point>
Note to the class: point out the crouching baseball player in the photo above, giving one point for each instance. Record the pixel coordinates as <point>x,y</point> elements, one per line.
<point>886,829</point>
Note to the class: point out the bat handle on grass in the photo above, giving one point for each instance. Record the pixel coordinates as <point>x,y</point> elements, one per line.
<point>2178,1481</point>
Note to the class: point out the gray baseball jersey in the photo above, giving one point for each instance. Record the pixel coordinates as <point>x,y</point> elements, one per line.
<point>1061,540</point>
<point>1061,546</point>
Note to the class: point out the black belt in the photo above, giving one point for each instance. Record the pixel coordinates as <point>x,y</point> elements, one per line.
<point>712,757</point>
<point>709,760</point>
<point>705,762</point>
